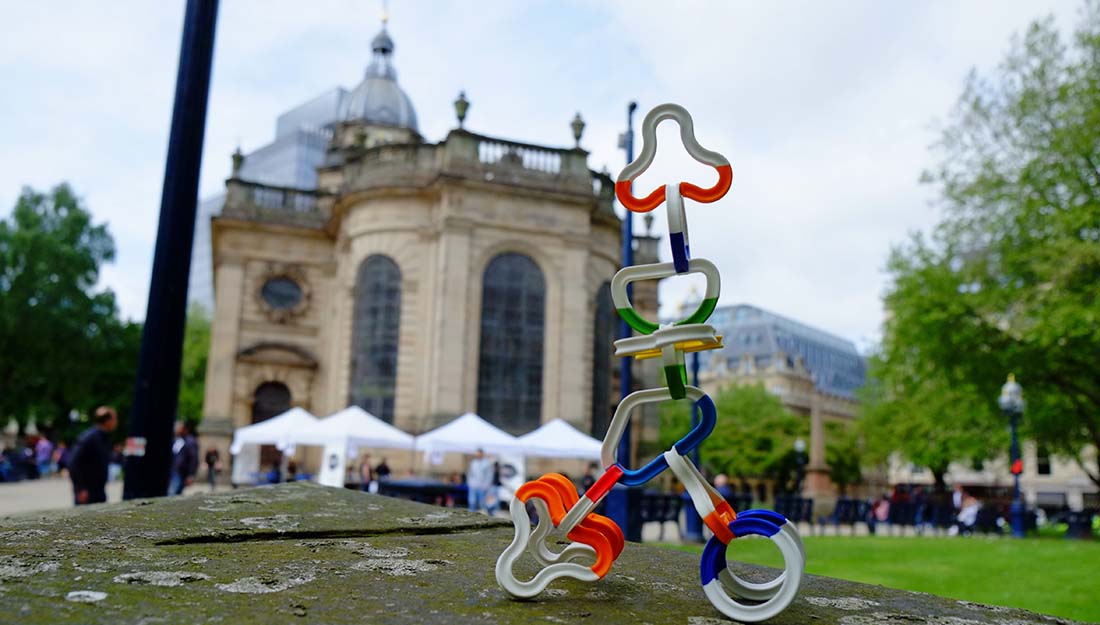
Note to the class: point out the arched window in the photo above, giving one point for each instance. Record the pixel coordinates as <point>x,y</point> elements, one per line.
<point>509,373</point>
<point>603,333</point>
<point>374,343</point>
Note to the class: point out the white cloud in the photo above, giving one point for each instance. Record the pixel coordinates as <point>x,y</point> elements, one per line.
<point>823,108</point>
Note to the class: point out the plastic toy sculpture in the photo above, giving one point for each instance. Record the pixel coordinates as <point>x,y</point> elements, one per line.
<point>554,498</point>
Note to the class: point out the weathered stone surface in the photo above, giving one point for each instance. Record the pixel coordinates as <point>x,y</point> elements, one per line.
<point>299,553</point>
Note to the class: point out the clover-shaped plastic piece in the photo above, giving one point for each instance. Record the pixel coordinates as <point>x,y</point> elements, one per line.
<point>649,149</point>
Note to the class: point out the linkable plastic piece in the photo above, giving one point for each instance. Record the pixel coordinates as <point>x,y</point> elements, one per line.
<point>677,229</point>
<point>649,149</point>
<point>695,337</point>
<point>708,416</point>
<point>713,573</point>
<point>656,271</point>
<point>595,540</point>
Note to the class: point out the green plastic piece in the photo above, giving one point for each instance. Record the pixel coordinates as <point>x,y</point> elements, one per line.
<point>644,326</point>
<point>676,378</point>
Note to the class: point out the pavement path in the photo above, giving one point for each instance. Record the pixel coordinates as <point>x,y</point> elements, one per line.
<point>56,493</point>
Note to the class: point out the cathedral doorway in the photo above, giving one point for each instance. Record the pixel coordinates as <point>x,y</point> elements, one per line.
<point>270,399</point>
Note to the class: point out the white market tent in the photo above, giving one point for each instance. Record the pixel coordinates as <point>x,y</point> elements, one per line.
<point>354,426</point>
<point>275,431</point>
<point>559,439</point>
<point>466,435</point>
<point>342,433</point>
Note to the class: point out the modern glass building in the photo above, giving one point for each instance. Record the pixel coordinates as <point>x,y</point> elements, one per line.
<point>291,160</point>
<point>748,331</point>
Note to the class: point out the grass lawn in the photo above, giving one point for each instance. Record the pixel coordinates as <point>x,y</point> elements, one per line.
<point>1049,575</point>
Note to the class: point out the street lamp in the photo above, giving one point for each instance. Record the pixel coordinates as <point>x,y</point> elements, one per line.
<point>800,458</point>
<point>1012,405</point>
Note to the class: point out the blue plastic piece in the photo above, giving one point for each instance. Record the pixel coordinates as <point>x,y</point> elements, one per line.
<point>713,561</point>
<point>681,254</point>
<point>708,417</point>
<point>771,516</point>
<point>637,477</point>
<point>758,526</point>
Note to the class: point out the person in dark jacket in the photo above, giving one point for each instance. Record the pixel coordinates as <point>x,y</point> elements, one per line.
<point>90,456</point>
<point>185,459</point>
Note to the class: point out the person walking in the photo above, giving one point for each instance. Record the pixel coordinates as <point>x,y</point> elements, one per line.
<point>479,479</point>
<point>368,479</point>
<point>213,465</point>
<point>382,471</point>
<point>43,455</point>
<point>90,456</point>
<point>185,459</point>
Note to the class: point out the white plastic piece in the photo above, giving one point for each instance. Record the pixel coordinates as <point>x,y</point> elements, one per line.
<point>668,335</point>
<point>656,271</point>
<point>610,451</point>
<point>762,591</point>
<point>794,565</point>
<point>505,572</point>
<point>687,135</point>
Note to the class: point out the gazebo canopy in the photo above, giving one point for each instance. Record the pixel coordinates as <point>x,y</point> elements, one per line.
<point>467,434</point>
<point>277,430</point>
<point>559,439</point>
<point>353,426</point>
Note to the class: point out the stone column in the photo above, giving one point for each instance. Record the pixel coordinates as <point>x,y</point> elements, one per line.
<point>217,424</point>
<point>817,486</point>
<point>573,366</point>
<point>453,300</point>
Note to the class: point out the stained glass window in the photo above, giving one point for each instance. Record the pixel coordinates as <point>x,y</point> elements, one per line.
<point>603,334</point>
<point>513,312</point>
<point>374,343</point>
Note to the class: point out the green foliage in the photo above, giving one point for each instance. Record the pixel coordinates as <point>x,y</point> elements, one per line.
<point>196,347</point>
<point>64,347</point>
<point>754,437</point>
<point>844,455</point>
<point>1008,281</point>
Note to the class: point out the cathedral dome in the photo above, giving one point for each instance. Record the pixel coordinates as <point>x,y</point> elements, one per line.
<point>378,99</point>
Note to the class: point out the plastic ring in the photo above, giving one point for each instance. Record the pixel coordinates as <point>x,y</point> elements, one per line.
<point>713,563</point>
<point>656,271</point>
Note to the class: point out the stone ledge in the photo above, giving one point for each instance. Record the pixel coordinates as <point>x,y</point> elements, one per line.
<point>308,554</point>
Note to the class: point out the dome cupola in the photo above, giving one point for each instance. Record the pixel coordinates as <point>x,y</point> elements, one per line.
<point>379,99</point>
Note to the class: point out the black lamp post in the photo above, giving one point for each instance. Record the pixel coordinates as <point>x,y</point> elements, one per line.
<point>1012,405</point>
<point>800,458</point>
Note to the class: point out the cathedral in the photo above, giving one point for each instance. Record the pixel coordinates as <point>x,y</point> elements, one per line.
<point>356,262</point>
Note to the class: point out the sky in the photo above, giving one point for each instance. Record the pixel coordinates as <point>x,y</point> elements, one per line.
<point>826,110</point>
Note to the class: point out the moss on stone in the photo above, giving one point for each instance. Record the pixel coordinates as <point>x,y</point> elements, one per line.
<point>304,553</point>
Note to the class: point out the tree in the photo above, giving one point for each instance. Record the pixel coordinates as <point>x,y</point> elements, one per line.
<point>844,455</point>
<point>196,347</point>
<point>930,421</point>
<point>1008,280</point>
<point>754,437</point>
<point>64,347</point>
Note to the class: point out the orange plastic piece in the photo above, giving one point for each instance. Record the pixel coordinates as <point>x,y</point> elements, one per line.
<point>564,486</point>
<point>712,194</point>
<point>603,535</point>
<point>636,204</point>
<point>548,493</point>
<point>719,521</point>
<point>611,529</point>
